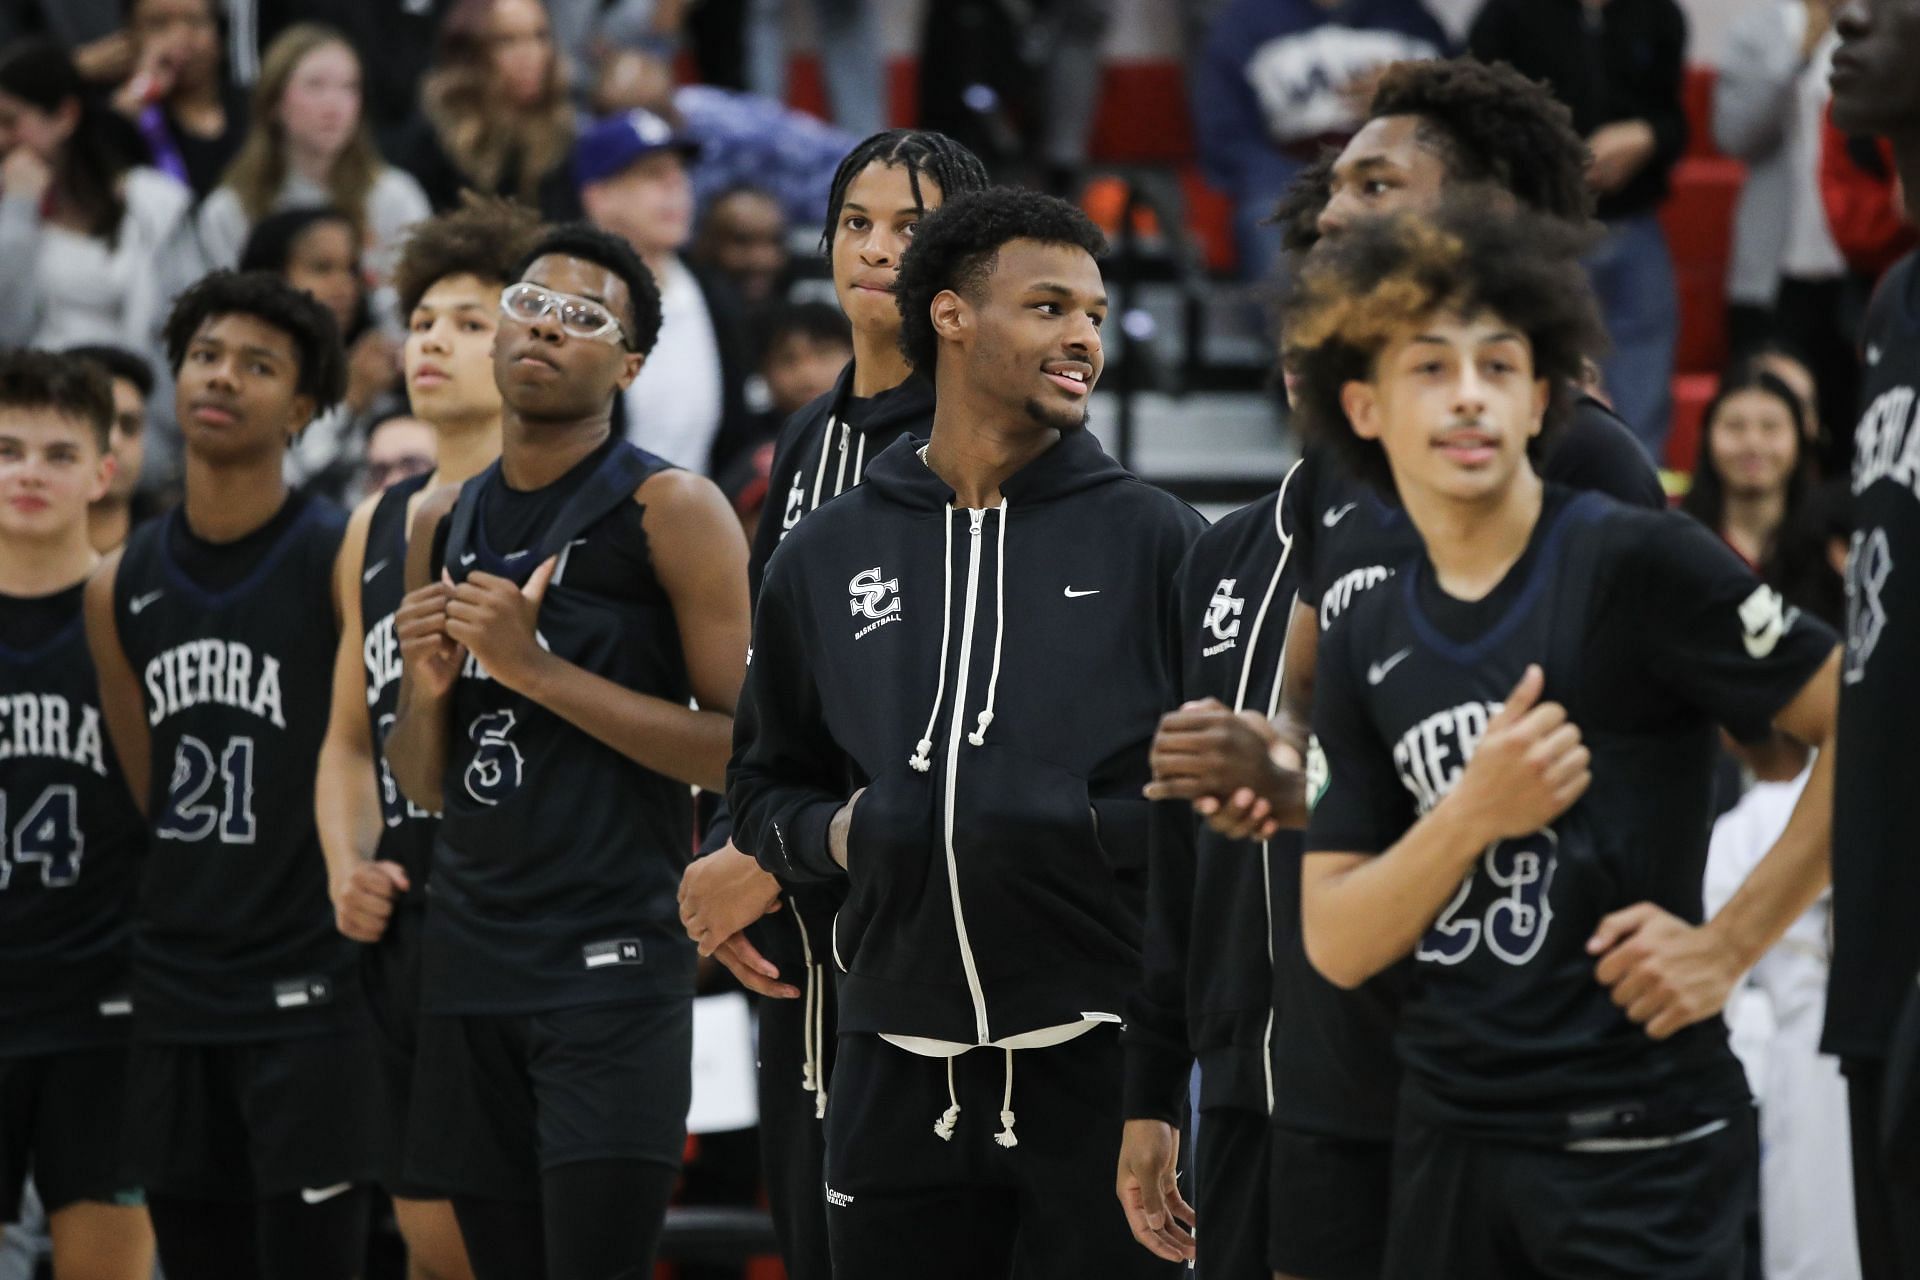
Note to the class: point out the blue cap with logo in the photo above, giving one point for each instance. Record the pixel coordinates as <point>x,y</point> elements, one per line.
<point>610,145</point>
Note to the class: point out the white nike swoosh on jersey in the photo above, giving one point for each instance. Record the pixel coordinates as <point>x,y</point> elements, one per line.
<point>1075,595</point>
<point>138,604</point>
<point>1336,514</point>
<point>1380,670</point>
<point>372,573</point>
<point>320,1195</point>
<point>470,557</point>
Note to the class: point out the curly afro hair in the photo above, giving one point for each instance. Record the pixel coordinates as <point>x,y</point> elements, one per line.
<point>589,243</point>
<point>268,298</point>
<point>486,237</point>
<point>958,244</point>
<point>1487,121</point>
<point>1354,295</point>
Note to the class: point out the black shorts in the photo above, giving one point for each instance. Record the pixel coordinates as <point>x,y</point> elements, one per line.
<point>1472,1207</point>
<point>1329,1205</point>
<point>60,1121</point>
<point>252,1120</point>
<point>500,1099</point>
<point>390,980</point>
<point>1230,1170</point>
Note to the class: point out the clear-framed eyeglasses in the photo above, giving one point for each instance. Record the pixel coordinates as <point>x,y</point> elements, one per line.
<point>578,317</point>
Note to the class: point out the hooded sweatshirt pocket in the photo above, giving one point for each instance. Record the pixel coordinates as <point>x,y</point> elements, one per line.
<point>889,846</point>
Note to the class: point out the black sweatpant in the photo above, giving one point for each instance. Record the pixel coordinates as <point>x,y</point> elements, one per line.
<point>285,1237</point>
<point>1231,1165</point>
<point>1024,1184</point>
<point>793,1138</point>
<point>595,1220</point>
<point>1886,1195</point>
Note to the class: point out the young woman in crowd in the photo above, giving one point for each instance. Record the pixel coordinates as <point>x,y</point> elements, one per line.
<point>192,119</point>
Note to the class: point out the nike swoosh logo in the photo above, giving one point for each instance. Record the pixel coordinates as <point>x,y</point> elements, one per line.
<point>1380,670</point>
<point>513,555</point>
<point>470,557</point>
<point>1075,595</point>
<point>320,1195</point>
<point>372,573</point>
<point>1336,514</point>
<point>138,604</point>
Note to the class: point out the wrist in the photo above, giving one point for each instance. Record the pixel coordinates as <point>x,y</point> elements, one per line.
<point>531,676</point>
<point>1471,827</point>
<point>1737,939</point>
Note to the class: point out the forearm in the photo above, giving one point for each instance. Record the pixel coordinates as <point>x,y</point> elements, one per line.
<point>1789,879</point>
<point>417,746</point>
<point>684,743</point>
<point>1362,919</point>
<point>346,806</point>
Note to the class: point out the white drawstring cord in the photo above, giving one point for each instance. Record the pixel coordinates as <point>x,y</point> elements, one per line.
<point>979,735</point>
<point>922,758</point>
<point>1005,1137</point>
<point>943,1127</point>
<point>817,976</point>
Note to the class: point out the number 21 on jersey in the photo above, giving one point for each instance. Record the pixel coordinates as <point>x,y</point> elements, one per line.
<point>192,813</point>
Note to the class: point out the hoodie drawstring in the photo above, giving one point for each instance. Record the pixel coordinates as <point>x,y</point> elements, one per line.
<point>979,735</point>
<point>943,1127</point>
<point>950,1118</point>
<point>922,758</point>
<point>820,473</point>
<point>840,475</point>
<point>813,1071</point>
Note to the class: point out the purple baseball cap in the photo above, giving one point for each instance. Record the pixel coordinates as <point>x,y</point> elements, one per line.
<point>610,145</point>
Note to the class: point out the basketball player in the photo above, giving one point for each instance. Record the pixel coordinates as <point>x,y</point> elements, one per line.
<point>213,630</point>
<point>1513,749</point>
<point>962,735</point>
<point>378,844</point>
<point>883,188</point>
<point>579,596</point>
<point>71,840</point>
<point>1876,870</point>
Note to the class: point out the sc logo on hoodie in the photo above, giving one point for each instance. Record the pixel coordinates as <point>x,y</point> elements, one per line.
<point>869,596</point>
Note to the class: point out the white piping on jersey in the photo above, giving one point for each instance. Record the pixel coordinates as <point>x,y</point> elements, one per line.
<point>1273,709</point>
<point>979,735</point>
<point>813,1072</point>
<point>1605,1146</point>
<point>975,518</point>
<point>922,758</point>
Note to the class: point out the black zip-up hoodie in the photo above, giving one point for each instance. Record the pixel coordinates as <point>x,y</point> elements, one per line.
<point>993,679</point>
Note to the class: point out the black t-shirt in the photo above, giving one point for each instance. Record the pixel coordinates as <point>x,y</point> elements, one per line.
<point>71,841</point>
<point>1651,632</point>
<point>406,830</point>
<point>557,864</point>
<point>1876,853</point>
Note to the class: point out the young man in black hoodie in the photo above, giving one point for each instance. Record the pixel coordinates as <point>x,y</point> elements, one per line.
<point>962,737</point>
<point>883,188</point>
<point>1273,1037</point>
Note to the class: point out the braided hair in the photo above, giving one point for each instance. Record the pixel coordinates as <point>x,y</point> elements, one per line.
<point>953,168</point>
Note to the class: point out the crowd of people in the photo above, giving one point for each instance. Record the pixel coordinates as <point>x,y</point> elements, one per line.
<point>426,505</point>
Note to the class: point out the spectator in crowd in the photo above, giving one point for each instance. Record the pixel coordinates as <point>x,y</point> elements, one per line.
<point>394,38</point>
<point>808,344</point>
<point>113,517</point>
<point>688,404</point>
<point>743,139</point>
<point>1619,67</point>
<point>495,115</point>
<point>850,55</point>
<point>309,144</point>
<point>1787,280</point>
<point>399,447</point>
<point>317,249</point>
<point>178,96</point>
<point>745,483</point>
<point>1786,364</point>
<point>90,29</point>
<point>1276,83</point>
<point>1753,484</point>
<point>743,239</point>
<point>93,246</point>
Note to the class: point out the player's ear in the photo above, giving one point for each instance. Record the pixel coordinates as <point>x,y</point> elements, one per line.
<point>630,367</point>
<point>1362,406</point>
<point>300,416</point>
<point>102,477</point>
<point>952,316</point>
<point>1542,397</point>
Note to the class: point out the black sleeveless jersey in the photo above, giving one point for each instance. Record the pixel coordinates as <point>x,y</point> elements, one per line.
<point>71,844</point>
<point>406,833</point>
<point>1651,632</point>
<point>1876,851</point>
<point>558,860</point>
<point>235,936</point>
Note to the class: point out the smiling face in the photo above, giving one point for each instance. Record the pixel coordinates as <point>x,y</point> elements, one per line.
<point>1454,402</point>
<point>320,110</point>
<point>876,225</point>
<point>1386,167</point>
<point>546,374</point>
<point>1030,340</point>
<point>1874,88</point>
<point>237,392</point>
<point>1753,443</point>
<point>51,470</point>
<point>449,351</point>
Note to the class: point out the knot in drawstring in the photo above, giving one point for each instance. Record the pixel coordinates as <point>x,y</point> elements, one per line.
<point>943,1127</point>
